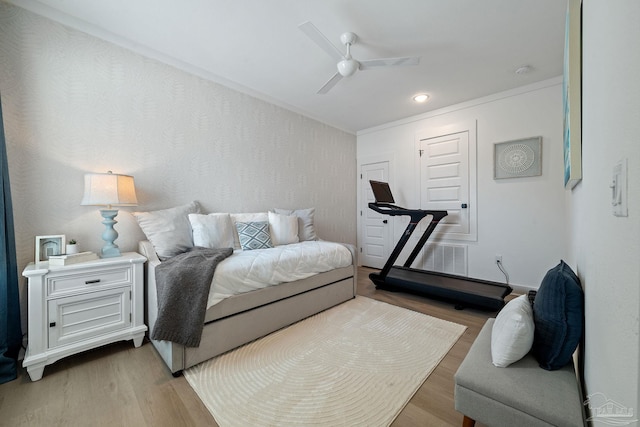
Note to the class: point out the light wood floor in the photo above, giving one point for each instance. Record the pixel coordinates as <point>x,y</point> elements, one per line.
<point>119,385</point>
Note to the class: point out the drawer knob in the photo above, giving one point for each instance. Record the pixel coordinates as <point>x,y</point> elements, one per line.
<point>88,282</point>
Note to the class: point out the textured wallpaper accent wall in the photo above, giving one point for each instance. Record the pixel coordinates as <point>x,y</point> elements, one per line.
<point>74,104</point>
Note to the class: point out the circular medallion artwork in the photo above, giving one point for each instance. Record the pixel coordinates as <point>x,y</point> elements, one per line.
<point>516,158</point>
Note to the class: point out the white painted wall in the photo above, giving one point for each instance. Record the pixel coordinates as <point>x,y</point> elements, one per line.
<point>606,249</point>
<point>522,219</point>
<point>74,104</point>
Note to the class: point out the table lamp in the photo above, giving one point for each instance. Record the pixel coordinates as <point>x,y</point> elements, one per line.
<point>109,189</point>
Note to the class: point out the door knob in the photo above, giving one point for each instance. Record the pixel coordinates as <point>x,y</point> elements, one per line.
<point>464,206</point>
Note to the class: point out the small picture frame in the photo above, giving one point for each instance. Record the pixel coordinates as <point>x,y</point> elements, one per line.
<point>49,245</point>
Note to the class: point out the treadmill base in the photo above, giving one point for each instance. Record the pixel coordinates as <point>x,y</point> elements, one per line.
<point>463,291</point>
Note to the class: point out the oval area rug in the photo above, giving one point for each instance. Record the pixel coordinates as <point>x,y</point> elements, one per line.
<point>358,363</point>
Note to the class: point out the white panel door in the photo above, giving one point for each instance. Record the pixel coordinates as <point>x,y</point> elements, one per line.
<point>444,180</point>
<point>376,228</point>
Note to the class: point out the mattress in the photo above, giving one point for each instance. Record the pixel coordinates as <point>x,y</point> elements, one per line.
<point>246,271</point>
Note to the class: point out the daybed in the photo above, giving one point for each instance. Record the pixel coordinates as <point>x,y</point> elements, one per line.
<point>238,319</point>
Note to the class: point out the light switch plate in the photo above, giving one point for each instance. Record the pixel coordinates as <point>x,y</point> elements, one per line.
<point>619,189</point>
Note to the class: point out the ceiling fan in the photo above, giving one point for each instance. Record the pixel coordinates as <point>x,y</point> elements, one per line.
<point>347,66</point>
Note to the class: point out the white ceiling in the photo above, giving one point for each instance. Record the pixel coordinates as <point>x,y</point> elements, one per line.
<point>469,48</point>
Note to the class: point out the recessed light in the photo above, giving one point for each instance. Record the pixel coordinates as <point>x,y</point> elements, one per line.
<point>421,97</point>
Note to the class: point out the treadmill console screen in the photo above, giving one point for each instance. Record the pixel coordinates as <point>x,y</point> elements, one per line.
<point>382,192</point>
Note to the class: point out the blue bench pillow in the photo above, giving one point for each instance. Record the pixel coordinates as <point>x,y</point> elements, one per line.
<point>558,313</point>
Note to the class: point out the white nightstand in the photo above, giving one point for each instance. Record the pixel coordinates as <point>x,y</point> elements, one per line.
<point>82,306</point>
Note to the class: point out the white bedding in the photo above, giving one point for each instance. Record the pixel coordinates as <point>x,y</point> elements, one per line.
<point>246,271</point>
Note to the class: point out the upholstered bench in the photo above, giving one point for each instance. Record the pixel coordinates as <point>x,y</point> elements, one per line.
<point>522,394</point>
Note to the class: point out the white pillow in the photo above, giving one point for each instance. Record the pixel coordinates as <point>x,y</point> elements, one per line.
<point>306,227</point>
<point>283,229</point>
<point>168,230</point>
<point>512,333</point>
<point>245,217</point>
<point>212,231</point>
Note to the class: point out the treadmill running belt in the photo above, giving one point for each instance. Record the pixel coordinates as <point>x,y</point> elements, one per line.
<point>464,291</point>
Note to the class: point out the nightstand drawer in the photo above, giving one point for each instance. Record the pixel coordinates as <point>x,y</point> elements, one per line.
<point>77,318</point>
<point>88,280</point>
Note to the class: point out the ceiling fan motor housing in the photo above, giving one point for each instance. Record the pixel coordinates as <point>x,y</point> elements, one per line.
<point>348,38</point>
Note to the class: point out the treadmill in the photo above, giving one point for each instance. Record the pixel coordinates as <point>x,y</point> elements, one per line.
<point>463,291</point>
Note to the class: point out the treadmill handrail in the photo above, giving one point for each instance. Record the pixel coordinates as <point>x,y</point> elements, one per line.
<point>415,214</point>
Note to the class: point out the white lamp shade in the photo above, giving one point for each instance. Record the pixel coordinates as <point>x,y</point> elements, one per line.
<point>107,189</point>
<point>347,67</point>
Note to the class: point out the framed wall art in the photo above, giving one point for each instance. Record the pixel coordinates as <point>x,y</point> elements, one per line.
<point>49,245</point>
<point>571,95</point>
<point>518,158</point>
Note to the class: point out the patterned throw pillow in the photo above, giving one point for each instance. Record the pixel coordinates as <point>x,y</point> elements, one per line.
<point>254,235</point>
<point>245,217</point>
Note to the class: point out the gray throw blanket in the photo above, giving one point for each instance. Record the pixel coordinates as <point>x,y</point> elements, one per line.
<point>183,284</point>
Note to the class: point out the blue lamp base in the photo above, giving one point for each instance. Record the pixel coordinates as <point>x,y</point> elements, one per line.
<point>109,235</point>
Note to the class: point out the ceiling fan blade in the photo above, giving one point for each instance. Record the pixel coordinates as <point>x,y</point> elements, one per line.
<point>389,62</point>
<point>331,83</point>
<point>314,34</point>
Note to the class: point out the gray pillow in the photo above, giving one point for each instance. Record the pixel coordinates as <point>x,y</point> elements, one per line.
<point>168,230</point>
<point>306,227</point>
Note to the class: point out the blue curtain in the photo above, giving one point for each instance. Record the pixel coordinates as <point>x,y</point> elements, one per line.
<point>10,330</point>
